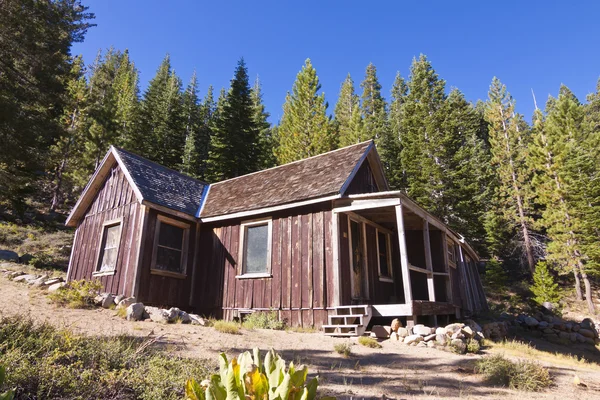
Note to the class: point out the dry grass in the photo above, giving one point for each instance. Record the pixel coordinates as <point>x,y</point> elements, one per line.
<point>344,349</point>
<point>230,327</point>
<point>520,375</point>
<point>369,342</point>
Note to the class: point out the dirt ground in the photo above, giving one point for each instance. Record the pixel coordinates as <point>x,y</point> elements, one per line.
<point>395,371</point>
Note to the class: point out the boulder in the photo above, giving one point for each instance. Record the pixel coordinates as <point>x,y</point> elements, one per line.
<point>135,312</point>
<point>440,331</point>
<point>197,320</point>
<point>429,338</point>
<point>531,322</point>
<point>458,335</point>
<point>39,282</point>
<point>413,339</point>
<point>458,345</point>
<point>126,302</point>
<point>52,281</point>
<point>453,328</point>
<point>576,328</point>
<point>395,325</point>
<point>24,278</point>
<point>441,339</point>
<point>394,336</point>
<point>172,314</point>
<point>14,274</point>
<point>184,317</point>
<point>402,332</point>
<point>157,315</point>
<point>547,318</point>
<point>118,299</point>
<point>104,300</point>
<point>563,335</point>
<point>548,306</point>
<point>588,333</point>
<point>543,325</point>
<point>9,255</point>
<point>381,332</point>
<point>580,338</point>
<point>573,337</point>
<point>56,286</point>
<point>473,325</point>
<point>467,331</point>
<point>588,324</point>
<point>421,330</point>
<point>548,331</point>
<point>421,344</point>
<point>568,326</point>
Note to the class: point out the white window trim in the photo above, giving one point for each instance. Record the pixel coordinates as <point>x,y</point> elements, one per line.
<point>242,245</point>
<point>451,244</point>
<point>100,252</point>
<point>184,248</point>
<point>385,278</point>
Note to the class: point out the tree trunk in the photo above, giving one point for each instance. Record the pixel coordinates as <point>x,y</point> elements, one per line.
<point>588,294</point>
<point>577,285</point>
<point>58,186</point>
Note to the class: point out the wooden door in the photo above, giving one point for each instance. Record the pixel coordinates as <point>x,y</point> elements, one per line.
<point>357,260</point>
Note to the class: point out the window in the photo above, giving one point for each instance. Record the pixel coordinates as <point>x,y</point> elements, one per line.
<point>170,247</point>
<point>255,249</point>
<point>384,256</point>
<point>451,253</point>
<point>109,248</point>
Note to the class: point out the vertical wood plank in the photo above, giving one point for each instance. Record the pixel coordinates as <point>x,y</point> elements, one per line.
<point>318,277</point>
<point>403,255</point>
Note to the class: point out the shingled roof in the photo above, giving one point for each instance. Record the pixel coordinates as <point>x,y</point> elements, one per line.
<point>313,177</point>
<point>163,186</point>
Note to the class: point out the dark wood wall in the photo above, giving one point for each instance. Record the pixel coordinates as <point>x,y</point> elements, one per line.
<point>302,284</point>
<point>163,290</point>
<point>115,199</point>
<point>363,181</point>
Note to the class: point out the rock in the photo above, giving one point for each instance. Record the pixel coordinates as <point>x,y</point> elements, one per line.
<point>381,332</point>
<point>172,314</point>
<point>56,286</point>
<point>9,255</point>
<point>24,278</point>
<point>197,320</point>
<point>395,325</point>
<point>440,331</point>
<point>459,345</point>
<point>575,328</point>
<point>467,331</point>
<point>157,315</point>
<point>573,337</point>
<point>453,328</point>
<point>580,338</point>
<point>429,337</point>
<point>126,302</point>
<point>588,324</point>
<point>402,332</point>
<point>52,281</point>
<point>548,306</point>
<point>38,282</point>
<point>549,331</point>
<point>421,330</point>
<point>441,339</point>
<point>394,336</point>
<point>590,341</point>
<point>118,299</point>
<point>473,325</point>
<point>184,317</point>
<point>548,318</point>
<point>421,344</point>
<point>458,335</point>
<point>543,325</point>
<point>14,274</point>
<point>568,326</point>
<point>413,339</point>
<point>108,300</point>
<point>135,312</point>
<point>563,335</point>
<point>588,333</point>
<point>552,338</point>
<point>531,322</point>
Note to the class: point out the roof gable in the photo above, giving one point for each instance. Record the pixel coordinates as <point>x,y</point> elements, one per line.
<point>152,183</point>
<point>319,176</point>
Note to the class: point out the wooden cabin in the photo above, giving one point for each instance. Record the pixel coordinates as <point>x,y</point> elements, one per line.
<point>323,241</point>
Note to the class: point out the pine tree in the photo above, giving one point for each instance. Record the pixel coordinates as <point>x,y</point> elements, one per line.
<point>390,146</point>
<point>544,288</point>
<point>235,144</point>
<point>304,130</point>
<point>126,91</point>
<point>508,145</point>
<point>373,106</point>
<point>348,119</point>
<point>266,143</point>
<point>192,115</point>
<point>162,127</point>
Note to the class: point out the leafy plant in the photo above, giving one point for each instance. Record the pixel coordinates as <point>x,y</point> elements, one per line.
<point>473,346</point>
<point>544,288</point>
<point>77,294</point>
<point>9,395</point>
<point>230,327</point>
<point>248,377</point>
<point>520,375</point>
<point>344,349</point>
<point>263,320</point>
<point>369,342</point>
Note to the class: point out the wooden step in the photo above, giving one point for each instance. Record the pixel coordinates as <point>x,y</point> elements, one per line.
<point>343,330</point>
<point>349,319</point>
<point>352,310</point>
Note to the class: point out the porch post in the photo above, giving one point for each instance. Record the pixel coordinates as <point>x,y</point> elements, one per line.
<point>428,262</point>
<point>403,257</point>
<point>337,275</point>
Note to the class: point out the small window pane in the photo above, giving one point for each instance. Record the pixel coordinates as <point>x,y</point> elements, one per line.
<point>110,248</point>
<point>384,268</point>
<point>170,236</point>
<point>256,251</point>
<point>168,260</point>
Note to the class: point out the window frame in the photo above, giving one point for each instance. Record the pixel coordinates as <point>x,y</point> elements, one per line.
<point>451,250</point>
<point>385,278</point>
<point>242,274</point>
<point>100,253</point>
<point>162,219</point>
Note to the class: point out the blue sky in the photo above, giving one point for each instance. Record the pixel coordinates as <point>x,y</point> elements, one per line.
<point>528,44</point>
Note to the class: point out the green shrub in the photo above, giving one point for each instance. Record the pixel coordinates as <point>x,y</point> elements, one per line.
<point>344,349</point>
<point>9,394</point>
<point>249,377</point>
<point>521,375</point>
<point>263,320</point>
<point>49,363</point>
<point>77,294</point>
<point>544,288</point>
<point>473,346</point>
<point>42,260</point>
<point>227,327</point>
<point>495,275</point>
<point>369,342</point>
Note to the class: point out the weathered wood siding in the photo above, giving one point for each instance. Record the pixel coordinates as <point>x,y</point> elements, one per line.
<point>301,265</point>
<point>363,181</point>
<point>163,290</point>
<point>114,200</point>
